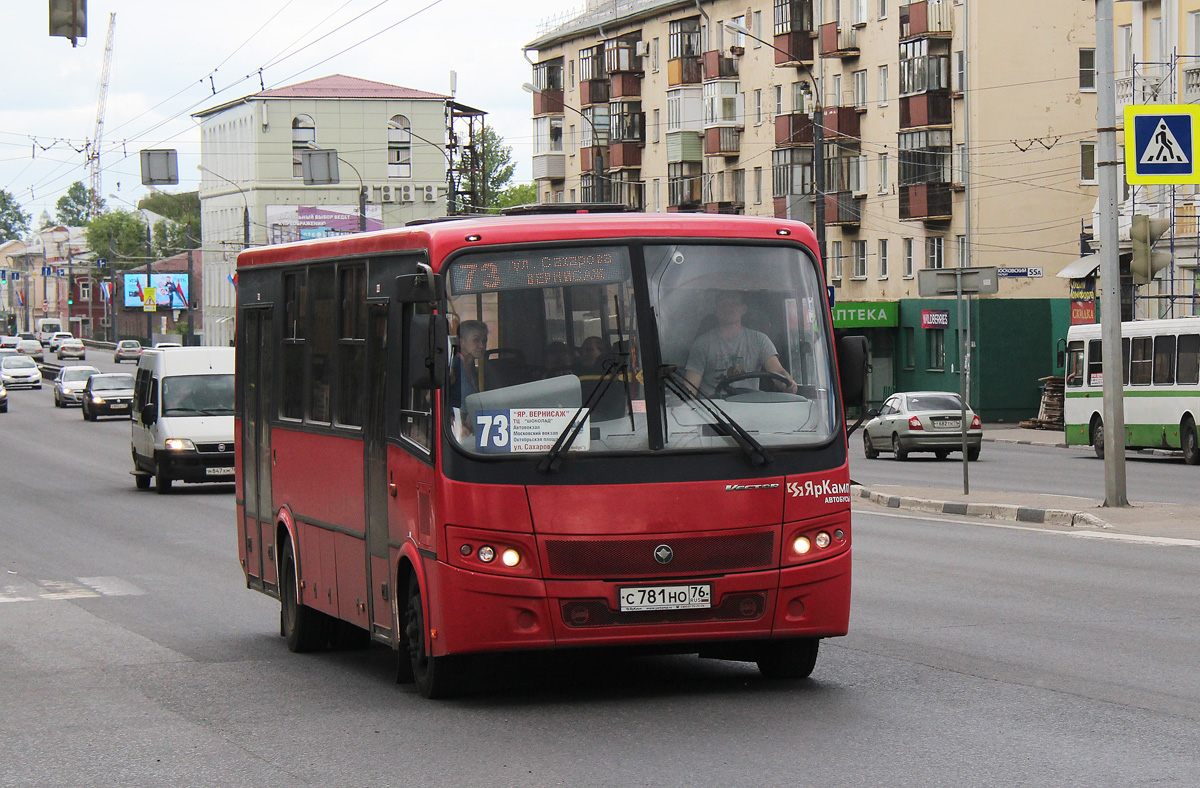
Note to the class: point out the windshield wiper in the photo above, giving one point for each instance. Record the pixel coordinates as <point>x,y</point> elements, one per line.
<point>553,459</point>
<point>675,382</point>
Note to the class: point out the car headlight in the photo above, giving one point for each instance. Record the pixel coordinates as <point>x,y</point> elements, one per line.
<point>67,389</point>
<point>180,444</point>
<point>96,398</point>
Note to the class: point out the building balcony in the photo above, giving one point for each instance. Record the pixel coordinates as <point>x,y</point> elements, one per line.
<point>843,208</point>
<point>932,108</point>
<point>685,71</point>
<point>723,141</point>
<point>551,166</point>
<point>594,91</point>
<point>625,85</point>
<point>624,155</point>
<point>838,40</point>
<point>841,123</point>
<point>684,195</point>
<point>793,129</point>
<point>718,65</point>
<point>930,202</point>
<point>794,49</point>
<point>1191,85</point>
<point>729,206</point>
<point>797,207</point>
<point>548,102</point>
<point>927,19</point>
<point>684,146</point>
<point>1136,90</point>
<point>593,158</point>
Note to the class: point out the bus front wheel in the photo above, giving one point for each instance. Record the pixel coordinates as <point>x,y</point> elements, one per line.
<point>1098,437</point>
<point>305,629</point>
<point>789,659</point>
<point>435,677</point>
<point>1189,442</point>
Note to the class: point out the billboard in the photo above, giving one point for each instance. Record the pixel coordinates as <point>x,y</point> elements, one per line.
<point>301,222</point>
<point>170,290</point>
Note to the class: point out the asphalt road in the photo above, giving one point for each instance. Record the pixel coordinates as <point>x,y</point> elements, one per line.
<point>979,655</point>
<point>1034,469</point>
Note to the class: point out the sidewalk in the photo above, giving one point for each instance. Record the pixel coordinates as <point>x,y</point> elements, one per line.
<point>1149,520</point>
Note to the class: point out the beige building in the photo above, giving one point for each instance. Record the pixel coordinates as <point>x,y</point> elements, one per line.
<point>391,147</point>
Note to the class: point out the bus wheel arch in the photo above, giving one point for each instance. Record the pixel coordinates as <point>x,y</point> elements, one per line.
<point>1189,441</point>
<point>435,677</point>
<point>405,571</point>
<point>1096,434</point>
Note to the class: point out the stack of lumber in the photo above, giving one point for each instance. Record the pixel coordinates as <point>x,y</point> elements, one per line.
<point>1050,415</point>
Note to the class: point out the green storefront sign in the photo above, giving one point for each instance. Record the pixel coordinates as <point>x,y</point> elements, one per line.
<point>866,314</point>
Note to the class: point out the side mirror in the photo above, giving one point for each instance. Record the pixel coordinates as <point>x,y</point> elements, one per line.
<point>423,287</point>
<point>149,414</point>
<point>872,413</point>
<point>852,369</point>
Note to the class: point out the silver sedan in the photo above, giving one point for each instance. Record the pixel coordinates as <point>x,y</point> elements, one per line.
<point>921,421</point>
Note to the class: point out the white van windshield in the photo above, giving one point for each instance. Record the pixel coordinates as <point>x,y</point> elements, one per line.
<point>197,395</point>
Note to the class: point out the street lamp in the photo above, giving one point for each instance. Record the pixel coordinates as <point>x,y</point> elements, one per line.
<point>818,123</point>
<point>245,211</point>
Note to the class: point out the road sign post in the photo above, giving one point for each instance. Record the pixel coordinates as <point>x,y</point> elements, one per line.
<point>959,282</point>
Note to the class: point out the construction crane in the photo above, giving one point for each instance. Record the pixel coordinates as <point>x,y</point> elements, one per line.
<point>98,134</point>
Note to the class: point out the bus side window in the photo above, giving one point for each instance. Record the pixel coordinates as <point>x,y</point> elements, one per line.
<point>1075,364</point>
<point>1141,361</point>
<point>416,407</point>
<point>1187,371</point>
<point>1125,361</point>
<point>1095,367</point>
<point>1164,360</point>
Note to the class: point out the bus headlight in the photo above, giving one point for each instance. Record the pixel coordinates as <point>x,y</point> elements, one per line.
<point>510,557</point>
<point>179,444</point>
<point>801,545</point>
<point>487,554</point>
<point>823,540</point>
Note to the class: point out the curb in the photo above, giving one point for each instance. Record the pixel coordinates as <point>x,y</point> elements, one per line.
<point>1027,443</point>
<point>993,511</point>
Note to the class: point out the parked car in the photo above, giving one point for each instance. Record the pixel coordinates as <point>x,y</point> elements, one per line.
<point>127,350</point>
<point>921,421</point>
<point>57,338</point>
<point>107,394</point>
<point>20,371</point>
<point>69,383</point>
<point>71,348</point>
<point>3,399</point>
<point>31,348</point>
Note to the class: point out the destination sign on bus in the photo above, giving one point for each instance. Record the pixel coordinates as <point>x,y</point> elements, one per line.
<point>534,268</point>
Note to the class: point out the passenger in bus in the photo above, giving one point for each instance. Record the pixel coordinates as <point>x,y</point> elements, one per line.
<point>464,369</point>
<point>558,360</point>
<point>592,354</point>
<point>732,349</point>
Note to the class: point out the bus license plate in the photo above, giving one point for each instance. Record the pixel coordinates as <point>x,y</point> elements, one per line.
<point>219,471</point>
<point>665,597</point>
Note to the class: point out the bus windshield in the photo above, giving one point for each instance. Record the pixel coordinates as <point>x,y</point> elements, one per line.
<point>539,335</point>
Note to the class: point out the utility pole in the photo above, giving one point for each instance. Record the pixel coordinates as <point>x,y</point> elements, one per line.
<point>1115,493</point>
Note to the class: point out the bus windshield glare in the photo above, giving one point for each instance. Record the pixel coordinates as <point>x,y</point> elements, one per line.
<point>543,335</point>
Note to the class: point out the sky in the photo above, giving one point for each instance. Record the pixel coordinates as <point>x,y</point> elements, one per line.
<point>169,58</point>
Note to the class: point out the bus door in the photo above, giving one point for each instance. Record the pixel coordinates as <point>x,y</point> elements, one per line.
<point>256,370</point>
<point>375,464</point>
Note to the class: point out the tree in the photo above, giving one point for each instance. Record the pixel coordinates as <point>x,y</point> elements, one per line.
<point>74,208</point>
<point>496,169</point>
<point>13,221</point>
<point>183,230</point>
<point>520,194</point>
<point>118,235</point>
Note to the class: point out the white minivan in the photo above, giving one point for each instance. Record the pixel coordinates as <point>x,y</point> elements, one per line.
<point>183,416</point>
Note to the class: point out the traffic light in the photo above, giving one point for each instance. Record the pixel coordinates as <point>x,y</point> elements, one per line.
<point>1146,260</point>
<point>68,18</point>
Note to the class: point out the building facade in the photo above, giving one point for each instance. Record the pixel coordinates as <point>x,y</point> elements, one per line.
<point>941,133</point>
<point>391,147</point>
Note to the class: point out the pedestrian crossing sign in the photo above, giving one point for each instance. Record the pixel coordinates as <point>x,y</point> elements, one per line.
<point>1160,143</point>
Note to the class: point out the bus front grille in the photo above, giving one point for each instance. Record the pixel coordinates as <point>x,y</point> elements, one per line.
<point>596,612</point>
<point>690,555</point>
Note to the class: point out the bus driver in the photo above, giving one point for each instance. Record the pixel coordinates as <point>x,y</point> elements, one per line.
<point>732,349</point>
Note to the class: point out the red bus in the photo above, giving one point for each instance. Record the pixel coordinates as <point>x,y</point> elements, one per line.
<point>546,431</point>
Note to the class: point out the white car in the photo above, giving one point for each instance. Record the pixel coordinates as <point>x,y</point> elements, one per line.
<point>921,421</point>
<point>68,385</point>
<point>57,338</point>
<point>20,371</point>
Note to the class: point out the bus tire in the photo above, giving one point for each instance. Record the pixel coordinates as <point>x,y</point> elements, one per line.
<point>435,677</point>
<point>788,659</point>
<point>304,628</point>
<point>1098,437</point>
<point>1189,442</point>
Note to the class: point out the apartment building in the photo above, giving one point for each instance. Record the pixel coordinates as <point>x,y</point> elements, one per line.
<point>951,134</point>
<point>391,146</point>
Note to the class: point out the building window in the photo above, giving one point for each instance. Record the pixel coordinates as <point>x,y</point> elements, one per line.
<point>758,185</point>
<point>921,71</point>
<point>835,260</point>
<point>547,134</point>
<point>778,100</point>
<point>739,186</point>
<point>935,252</point>
<point>858,254</point>
<point>757,29</point>
<point>883,258</point>
<point>656,195</point>
<point>657,124</point>
<point>883,174</point>
<point>1087,162</point>
<point>908,258</point>
<point>792,171</point>
<point>758,107</point>
<point>683,184</point>
<point>1087,69</point>
<point>935,339</point>
<point>960,72</point>
<point>883,11</point>
<point>721,100</point>
<point>548,75</point>
<point>961,175</point>
<point>883,86</point>
<point>684,38</point>
<point>595,127</point>
<point>654,54</point>
<point>571,72</point>
<point>860,89</point>
<point>924,157</point>
<point>799,91</point>
<point>626,118</point>
<point>304,136</point>
<point>400,146</point>
<point>793,16</point>
<point>963,259</point>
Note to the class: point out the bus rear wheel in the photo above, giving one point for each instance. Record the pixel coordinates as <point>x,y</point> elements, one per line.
<point>1189,442</point>
<point>435,677</point>
<point>789,659</point>
<point>1098,438</point>
<point>305,629</point>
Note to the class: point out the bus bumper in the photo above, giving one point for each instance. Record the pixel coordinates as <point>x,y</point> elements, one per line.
<point>480,613</point>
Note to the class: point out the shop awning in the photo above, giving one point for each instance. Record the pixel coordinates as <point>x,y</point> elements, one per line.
<point>1080,269</point>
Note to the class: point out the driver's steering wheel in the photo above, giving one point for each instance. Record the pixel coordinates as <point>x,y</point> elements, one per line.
<point>724,383</point>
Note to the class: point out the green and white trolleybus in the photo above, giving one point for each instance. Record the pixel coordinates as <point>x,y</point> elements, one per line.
<point>1160,370</point>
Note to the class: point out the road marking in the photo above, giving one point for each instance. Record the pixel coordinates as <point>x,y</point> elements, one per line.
<point>31,590</point>
<point>1162,541</point>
